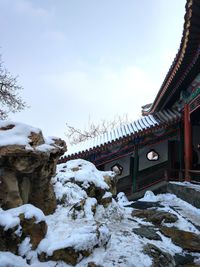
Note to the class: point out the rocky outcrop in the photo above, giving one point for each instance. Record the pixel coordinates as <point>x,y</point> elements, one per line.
<point>148,232</point>
<point>73,250</point>
<point>17,224</point>
<point>187,240</point>
<point>27,163</point>
<point>81,178</point>
<point>155,216</point>
<point>159,257</point>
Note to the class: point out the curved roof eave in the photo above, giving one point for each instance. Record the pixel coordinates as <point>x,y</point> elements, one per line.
<point>188,53</point>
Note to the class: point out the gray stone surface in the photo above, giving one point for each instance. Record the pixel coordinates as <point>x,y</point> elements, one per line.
<point>188,194</point>
<point>148,232</point>
<point>142,205</point>
<point>159,257</point>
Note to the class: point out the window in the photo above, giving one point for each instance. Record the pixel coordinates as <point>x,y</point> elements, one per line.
<point>117,169</point>
<point>152,155</point>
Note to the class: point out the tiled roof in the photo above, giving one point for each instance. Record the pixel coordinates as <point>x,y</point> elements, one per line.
<point>186,64</point>
<point>132,129</point>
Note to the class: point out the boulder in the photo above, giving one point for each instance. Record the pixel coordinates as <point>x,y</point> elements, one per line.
<point>186,240</point>
<point>68,255</point>
<point>27,163</point>
<point>155,216</point>
<point>148,232</point>
<point>72,249</point>
<point>111,181</point>
<point>143,205</point>
<point>159,257</point>
<point>18,223</point>
<point>183,260</point>
<point>9,240</point>
<point>93,264</point>
<point>83,187</point>
<point>106,199</point>
<point>36,231</point>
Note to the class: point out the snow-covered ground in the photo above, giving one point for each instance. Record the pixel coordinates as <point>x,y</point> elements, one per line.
<point>124,247</point>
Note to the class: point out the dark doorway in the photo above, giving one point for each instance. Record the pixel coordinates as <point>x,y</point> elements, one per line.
<point>195,121</point>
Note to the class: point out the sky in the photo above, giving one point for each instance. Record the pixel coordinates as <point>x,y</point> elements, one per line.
<point>81,60</point>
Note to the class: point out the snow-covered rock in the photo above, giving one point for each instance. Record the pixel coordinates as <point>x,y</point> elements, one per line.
<point>80,185</point>
<point>28,161</point>
<point>17,223</point>
<point>74,243</point>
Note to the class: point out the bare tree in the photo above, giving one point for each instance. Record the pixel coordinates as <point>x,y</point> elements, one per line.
<point>10,101</point>
<point>76,135</point>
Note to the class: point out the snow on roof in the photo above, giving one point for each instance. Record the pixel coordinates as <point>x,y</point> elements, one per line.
<point>133,128</point>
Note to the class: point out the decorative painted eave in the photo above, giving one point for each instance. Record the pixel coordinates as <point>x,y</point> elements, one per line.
<point>187,57</point>
<point>143,126</point>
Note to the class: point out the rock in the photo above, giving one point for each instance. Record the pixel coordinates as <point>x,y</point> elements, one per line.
<point>94,191</point>
<point>9,240</point>
<point>111,181</point>
<point>166,217</point>
<point>159,257</point>
<point>27,163</point>
<point>17,224</point>
<point>72,251</point>
<point>10,194</point>
<point>181,260</point>
<point>155,216</point>
<point>186,240</point>
<point>93,264</point>
<point>143,205</point>
<point>68,255</point>
<point>86,181</point>
<point>106,199</point>
<point>36,231</point>
<point>148,232</point>
<point>77,210</point>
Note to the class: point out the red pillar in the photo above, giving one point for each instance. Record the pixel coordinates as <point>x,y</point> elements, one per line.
<point>187,143</point>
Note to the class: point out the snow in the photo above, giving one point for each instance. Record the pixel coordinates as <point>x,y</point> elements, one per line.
<point>24,247</point>
<point>123,200</point>
<point>107,194</point>
<point>79,234</point>
<point>69,193</point>
<point>125,248</point>
<point>143,122</point>
<point>108,233</point>
<point>82,171</point>
<point>149,197</point>
<point>10,218</point>
<point>29,211</point>
<point>8,259</point>
<point>19,135</point>
<point>89,203</point>
<point>186,213</point>
<point>7,220</point>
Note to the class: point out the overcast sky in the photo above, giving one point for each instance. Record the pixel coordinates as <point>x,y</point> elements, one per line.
<point>81,59</point>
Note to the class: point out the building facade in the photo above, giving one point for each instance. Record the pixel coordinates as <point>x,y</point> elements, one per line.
<point>165,143</point>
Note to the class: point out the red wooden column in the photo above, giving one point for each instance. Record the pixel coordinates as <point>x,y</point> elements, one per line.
<point>187,143</point>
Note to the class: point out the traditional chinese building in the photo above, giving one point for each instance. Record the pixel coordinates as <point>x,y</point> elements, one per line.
<point>165,143</point>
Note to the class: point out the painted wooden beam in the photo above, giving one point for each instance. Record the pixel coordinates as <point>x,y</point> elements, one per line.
<point>187,143</point>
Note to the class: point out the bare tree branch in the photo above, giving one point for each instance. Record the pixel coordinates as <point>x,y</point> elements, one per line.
<point>10,101</point>
<point>76,135</point>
